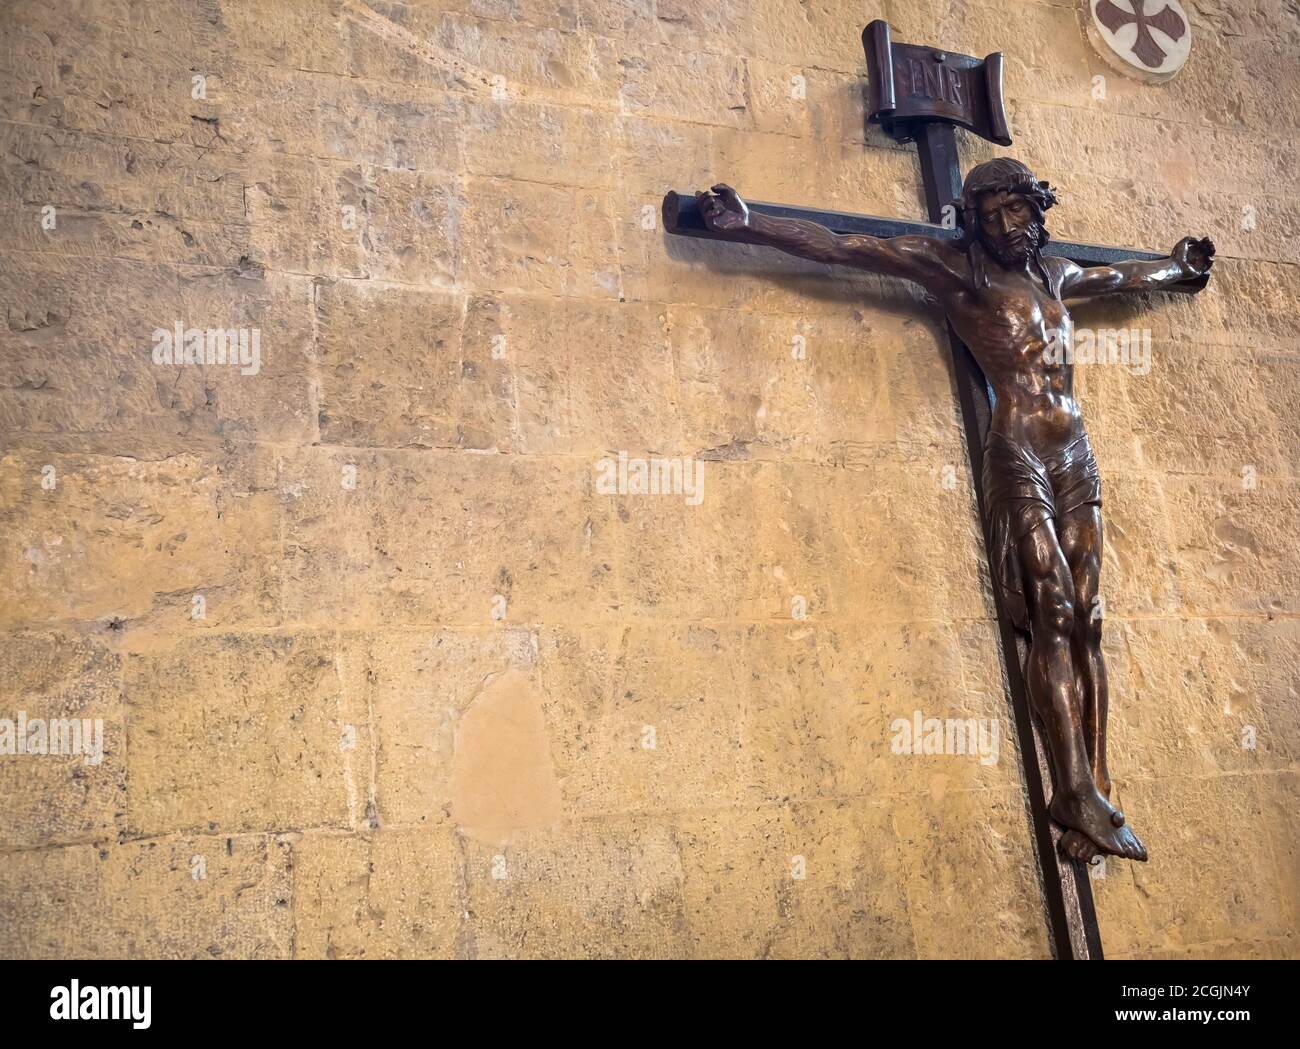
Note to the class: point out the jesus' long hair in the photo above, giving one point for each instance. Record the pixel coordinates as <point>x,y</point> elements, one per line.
<point>1003,174</point>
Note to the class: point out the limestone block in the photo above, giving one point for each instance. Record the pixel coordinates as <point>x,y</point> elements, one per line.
<point>119,217</point>
<point>685,85</point>
<point>820,105</point>
<point>97,75</point>
<point>1253,19</point>
<point>874,519</point>
<point>522,345</point>
<point>589,377</point>
<point>1140,570</point>
<point>77,353</point>
<point>1122,211</point>
<point>1107,392</point>
<point>478,51</point>
<point>1234,545</point>
<point>715,27</point>
<point>412,227</point>
<point>302,34</point>
<point>1204,696</point>
<point>1248,308</point>
<point>306,216</point>
<point>1276,372</point>
<point>556,14</point>
<point>29,75</point>
<point>600,889</point>
<point>824,702</point>
<point>235,733</point>
<point>817,33</point>
<point>140,235</point>
<point>393,374</point>
<point>531,142</point>
<point>198,897</point>
<point>1065,143</point>
<point>263,109</point>
<point>943,843</point>
<point>823,388</point>
<point>841,176</point>
<point>434,538</point>
<point>65,797</point>
<point>804,385</point>
<point>127,545</point>
<point>752,543</point>
<point>614,18</point>
<point>519,236</point>
<point>547,64</point>
<point>655,155</point>
<point>101,173</point>
<point>644,720</point>
<point>393,894</point>
<point>1205,410</point>
<point>1234,950</point>
<point>819,880</point>
<point>1279,795</point>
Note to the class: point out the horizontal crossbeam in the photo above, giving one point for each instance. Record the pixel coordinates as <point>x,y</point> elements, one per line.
<point>682,216</point>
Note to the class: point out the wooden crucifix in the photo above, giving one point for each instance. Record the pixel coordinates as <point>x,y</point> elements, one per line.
<point>1003,289</point>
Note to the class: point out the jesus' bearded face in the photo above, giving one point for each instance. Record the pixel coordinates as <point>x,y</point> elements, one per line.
<point>1010,226</point>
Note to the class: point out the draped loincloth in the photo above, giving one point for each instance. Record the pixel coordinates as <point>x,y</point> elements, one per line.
<point>1022,492</point>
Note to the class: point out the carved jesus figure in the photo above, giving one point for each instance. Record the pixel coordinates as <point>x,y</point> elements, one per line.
<point>1007,302</point>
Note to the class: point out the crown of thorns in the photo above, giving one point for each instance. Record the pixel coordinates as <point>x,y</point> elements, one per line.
<point>1001,175</point>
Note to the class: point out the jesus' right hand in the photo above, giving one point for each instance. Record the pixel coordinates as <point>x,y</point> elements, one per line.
<point>723,210</point>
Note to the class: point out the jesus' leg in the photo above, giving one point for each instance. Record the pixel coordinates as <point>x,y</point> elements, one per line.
<point>1081,544</point>
<point>1053,690</point>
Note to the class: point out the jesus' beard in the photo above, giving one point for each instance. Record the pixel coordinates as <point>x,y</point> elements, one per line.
<point>1019,250</point>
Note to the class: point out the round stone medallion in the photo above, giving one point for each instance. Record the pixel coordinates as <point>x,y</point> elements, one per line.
<point>1150,39</point>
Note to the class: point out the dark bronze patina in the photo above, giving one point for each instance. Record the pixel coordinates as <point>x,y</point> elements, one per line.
<point>1004,291</point>
<point>1006,300</point>
<point>910,83</point>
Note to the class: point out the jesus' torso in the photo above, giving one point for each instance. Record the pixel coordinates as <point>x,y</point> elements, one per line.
<point>1021,335</point>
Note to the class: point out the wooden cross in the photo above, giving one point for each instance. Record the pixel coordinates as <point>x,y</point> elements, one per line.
<point>920,94</point>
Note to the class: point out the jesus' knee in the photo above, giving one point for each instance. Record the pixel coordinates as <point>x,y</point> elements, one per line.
<point>1054,611</point>
<point>1087,622</point>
